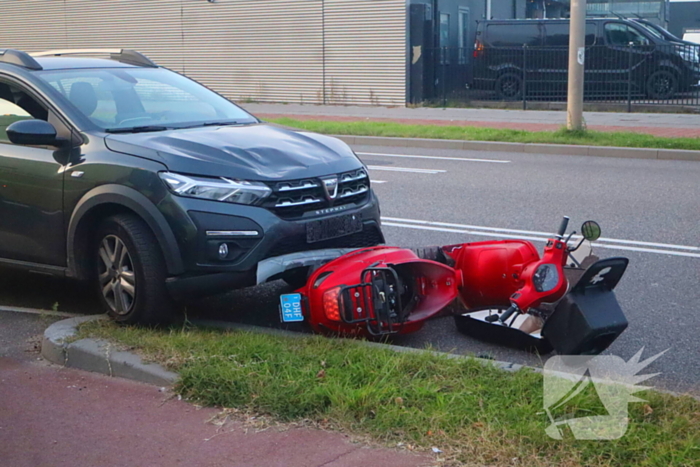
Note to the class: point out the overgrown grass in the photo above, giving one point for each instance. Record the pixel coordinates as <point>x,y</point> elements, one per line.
<point>562,136</point>
<point>477,415</point>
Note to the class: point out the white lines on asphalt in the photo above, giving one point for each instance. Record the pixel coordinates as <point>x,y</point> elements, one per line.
<point>378,181</point>
<point>405,169</point>
<point>609,243</point>
<point>441,158</point>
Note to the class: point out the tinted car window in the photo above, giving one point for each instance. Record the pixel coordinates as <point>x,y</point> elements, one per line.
<point>557,34</point>
<point>513,35</point>
<point>114,98</point>
<point>621,35</point>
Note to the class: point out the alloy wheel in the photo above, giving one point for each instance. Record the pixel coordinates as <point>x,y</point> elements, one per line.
<point>510,88</point>
<point>116,275</point>
<point>662,85</point>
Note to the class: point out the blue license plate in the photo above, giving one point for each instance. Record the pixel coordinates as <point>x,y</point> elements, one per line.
<point>290,306</point>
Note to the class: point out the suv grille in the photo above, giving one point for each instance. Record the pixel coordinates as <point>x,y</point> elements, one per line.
<point>294,198</point>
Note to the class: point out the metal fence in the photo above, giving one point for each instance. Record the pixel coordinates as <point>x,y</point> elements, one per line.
<point>627,74</point>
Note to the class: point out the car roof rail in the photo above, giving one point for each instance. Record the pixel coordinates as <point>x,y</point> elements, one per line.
<point>128,56</point>
<point>19,58</point>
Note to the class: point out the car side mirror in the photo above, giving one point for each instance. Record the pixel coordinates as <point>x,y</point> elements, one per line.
<point>33,133</point>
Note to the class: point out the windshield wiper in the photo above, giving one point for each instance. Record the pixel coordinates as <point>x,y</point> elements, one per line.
<point>223,123</point>
<point>137,129</point>
<point>220,123</point>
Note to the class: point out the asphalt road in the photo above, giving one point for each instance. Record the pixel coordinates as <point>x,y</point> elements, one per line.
<point>649,211</point>
<point>653,202</point>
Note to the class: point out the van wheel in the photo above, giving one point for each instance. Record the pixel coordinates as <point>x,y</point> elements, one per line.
<point>129,272</point>
<point>662,85</point>
<point>509,87</point>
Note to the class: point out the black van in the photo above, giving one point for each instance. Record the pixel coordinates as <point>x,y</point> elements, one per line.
<point>512,56</point>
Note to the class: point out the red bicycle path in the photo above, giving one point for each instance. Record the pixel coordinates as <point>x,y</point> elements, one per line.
<point>55,416</point>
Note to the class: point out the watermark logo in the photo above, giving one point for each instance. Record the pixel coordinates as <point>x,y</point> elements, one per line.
<point>614,380</point>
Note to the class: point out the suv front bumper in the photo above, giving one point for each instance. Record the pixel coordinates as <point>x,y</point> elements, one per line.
<point>212,224</point>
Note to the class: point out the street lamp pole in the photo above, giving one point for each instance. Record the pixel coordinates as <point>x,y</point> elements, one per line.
<point>577,56</point>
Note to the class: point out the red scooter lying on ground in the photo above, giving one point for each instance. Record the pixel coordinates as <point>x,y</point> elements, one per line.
<point>510,295</point>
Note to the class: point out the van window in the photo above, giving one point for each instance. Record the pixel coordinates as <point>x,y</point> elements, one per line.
<point>557,34</point>
<point>513,35</point>
<point>619,34</point>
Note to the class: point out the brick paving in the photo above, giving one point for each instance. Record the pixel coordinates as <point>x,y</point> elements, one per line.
<point>53,416</point>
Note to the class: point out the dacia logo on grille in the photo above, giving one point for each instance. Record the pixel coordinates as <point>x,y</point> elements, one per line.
<point>330,186</point>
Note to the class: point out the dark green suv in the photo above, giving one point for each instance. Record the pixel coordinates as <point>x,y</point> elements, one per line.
<point>154,188</point>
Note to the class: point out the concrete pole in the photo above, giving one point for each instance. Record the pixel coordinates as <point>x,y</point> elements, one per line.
<point>577,53</point>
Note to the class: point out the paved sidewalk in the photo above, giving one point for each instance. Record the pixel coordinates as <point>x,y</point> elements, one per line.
<point>51,416</point>
<point>670,125</point>
<point>55,416</point>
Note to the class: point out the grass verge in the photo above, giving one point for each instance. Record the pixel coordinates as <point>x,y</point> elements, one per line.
<point>477,415</point>
<point>466,133</point>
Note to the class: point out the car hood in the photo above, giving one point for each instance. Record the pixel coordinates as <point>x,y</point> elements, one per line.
<point>252,152</point>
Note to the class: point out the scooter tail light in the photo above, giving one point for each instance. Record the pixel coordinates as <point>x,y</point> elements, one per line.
<point>331,304</point>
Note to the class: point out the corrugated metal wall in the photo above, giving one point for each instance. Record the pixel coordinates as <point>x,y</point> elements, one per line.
<point>300,51</point>
<point>365,45</point>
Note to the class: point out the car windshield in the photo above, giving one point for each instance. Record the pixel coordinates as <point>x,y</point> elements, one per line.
<point>143,99</point>
<point>664,33</point>
<point>651,30</point>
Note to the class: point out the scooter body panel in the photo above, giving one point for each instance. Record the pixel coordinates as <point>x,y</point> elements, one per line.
<point>342,297</point>
<point>491,270</point>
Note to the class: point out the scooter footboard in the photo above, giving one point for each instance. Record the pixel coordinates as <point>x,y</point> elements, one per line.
<point>588,319</point>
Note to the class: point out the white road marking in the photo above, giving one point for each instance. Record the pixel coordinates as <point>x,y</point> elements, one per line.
<point>36,311</point>
<point>544,234</point>
<point>441,158</point>
<point>405,169</point>
<point>609,243</point>
<point>378,181</point>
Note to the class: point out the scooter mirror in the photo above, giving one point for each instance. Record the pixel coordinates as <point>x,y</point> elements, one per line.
<point>590,230</point>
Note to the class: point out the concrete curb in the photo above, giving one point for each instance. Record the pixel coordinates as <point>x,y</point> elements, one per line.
<point>527,148</point>
<point>508,366</point>
<point>97,355</point>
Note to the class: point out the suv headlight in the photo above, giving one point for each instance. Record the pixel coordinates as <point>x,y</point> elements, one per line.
<point>689,54</point>
<point>217,189</point>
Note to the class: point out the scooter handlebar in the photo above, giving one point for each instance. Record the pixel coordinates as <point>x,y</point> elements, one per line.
<point>508,313</point>
<point>562,227</point>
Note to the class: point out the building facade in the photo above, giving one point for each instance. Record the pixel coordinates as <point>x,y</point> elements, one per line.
<point>345,52</point>
<point>297,51</point>
<point>684,16</point>
<point>653,10</point>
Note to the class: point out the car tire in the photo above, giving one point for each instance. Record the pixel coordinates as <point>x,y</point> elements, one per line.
<point>662,85</point>
<point>129,272</point>
<point>509,87</point>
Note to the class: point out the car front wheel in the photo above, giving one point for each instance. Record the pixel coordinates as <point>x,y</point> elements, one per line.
<point>130,272</point>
